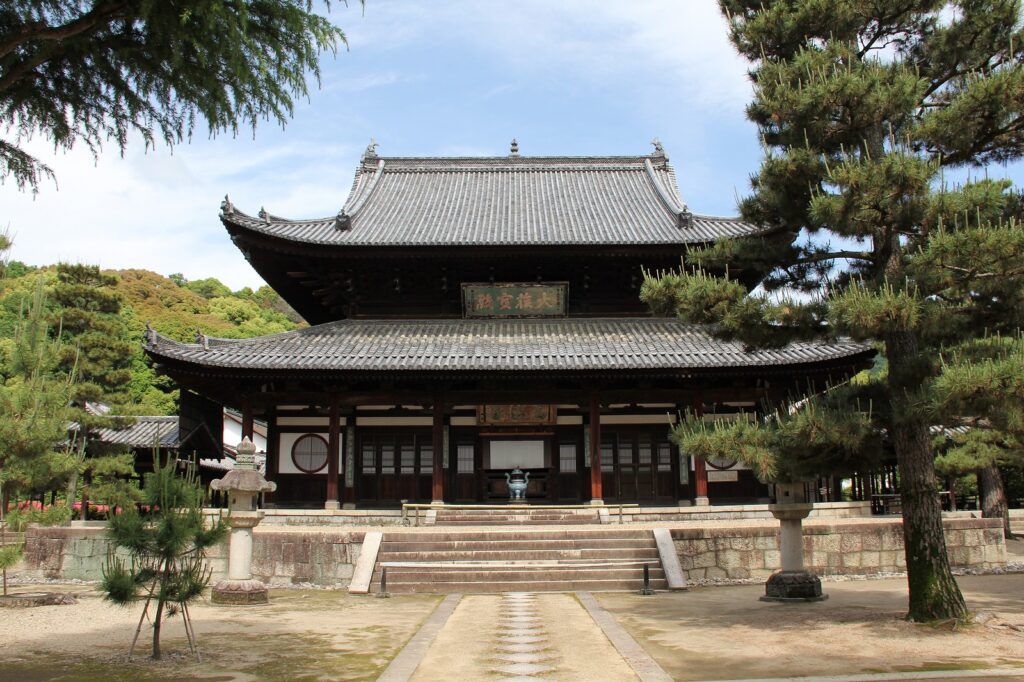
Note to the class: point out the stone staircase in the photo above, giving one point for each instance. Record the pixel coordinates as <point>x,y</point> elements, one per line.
<point>517,560</point>
<point>516,516</point>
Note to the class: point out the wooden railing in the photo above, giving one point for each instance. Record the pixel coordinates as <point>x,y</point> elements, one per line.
<point>407,506</point>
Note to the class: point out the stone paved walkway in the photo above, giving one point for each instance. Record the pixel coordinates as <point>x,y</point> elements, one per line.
<point>520,636</point>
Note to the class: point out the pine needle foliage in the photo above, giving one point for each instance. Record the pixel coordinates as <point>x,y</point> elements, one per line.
<point>92,72</point>
<point>166,546</point>
<point>862,108</point>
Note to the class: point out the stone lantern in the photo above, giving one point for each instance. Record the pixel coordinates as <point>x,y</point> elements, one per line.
<point>242,484</point>
<point>792,582</point>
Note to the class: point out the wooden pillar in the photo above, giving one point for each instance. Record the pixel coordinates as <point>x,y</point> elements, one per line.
<point>333,452</point>
<point>247,420</point>
<point>594,420</point>
<point>348,495</point>
<point>437,481</point>
<point>700,469</point>
<point>273,455</point>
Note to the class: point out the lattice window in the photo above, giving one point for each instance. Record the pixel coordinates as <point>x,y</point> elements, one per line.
<point>369,459</point>
<point>309,453</point>
<point>465,453</point>
<point>607,454</point>
<point>567,458</point>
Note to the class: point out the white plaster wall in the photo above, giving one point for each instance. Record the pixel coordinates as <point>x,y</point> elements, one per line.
<point>285,464</point>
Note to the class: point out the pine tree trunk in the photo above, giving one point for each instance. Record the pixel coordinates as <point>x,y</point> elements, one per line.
<point>156,627</point>
<point>993,496</point>
<point>72,492</point>
<point>934,594</point>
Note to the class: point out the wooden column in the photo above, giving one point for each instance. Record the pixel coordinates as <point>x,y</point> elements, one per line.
<point>437,482</point>
<point>273,454</point>
<point>247,420</point>
<point>333,452</point>
<point>700,469</point>
<point>594,420</point>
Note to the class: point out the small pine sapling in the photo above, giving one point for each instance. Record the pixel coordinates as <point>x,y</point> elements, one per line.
<point>166,543</point>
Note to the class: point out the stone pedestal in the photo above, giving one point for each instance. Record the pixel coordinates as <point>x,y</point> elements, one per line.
<point>242,484</point>
<point>701,501</point>
<point>792,582</point>
<point>240,587</point>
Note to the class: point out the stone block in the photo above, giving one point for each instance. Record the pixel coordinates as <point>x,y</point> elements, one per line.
<point>729,558</point>
<point>716,572</point>
<point>772,559</point>
<point>696,573</point>
<point>686,561</point>
<point>743,543</point>
<point>851,559</point>
<point>871,541</point>
<point>893,538</point>
<point>704,560</point>
<point>738,573</point>
<point>827,543</point>
<point>766,542</point>
<point>851,542</point>
<point>954,538</point>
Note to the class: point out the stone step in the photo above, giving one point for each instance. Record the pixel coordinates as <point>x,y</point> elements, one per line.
<point>594,585</point>
<point>601,532</point>
<point>497,554</point>
<point>507,573</point>
<point>515,545</point>
<point>513,522</point>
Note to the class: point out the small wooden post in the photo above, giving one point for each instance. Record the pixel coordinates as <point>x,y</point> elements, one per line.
<point>596,494</point>
<point>333,453</point>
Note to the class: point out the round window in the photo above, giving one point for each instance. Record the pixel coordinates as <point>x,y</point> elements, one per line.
<point>310,453</point>
<point>721,463</point>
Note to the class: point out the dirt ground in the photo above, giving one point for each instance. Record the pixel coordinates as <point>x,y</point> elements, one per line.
<point>727,633</point>
<point>301,635</point>
<point>705,633</point>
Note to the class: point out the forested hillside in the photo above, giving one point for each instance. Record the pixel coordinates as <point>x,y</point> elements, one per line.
<point>172,305</point>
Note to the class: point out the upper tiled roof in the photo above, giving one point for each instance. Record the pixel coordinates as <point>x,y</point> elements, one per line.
<point>562,345</point>
<point>144,432</point>
<point>487,201</point>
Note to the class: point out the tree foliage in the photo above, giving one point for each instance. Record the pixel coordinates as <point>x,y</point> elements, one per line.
<point>166,547</point>
<point>99,71</point>
<point>862,107</point>
<point>35,395</point>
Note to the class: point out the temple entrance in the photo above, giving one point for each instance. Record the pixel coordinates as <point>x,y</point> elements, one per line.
<point>394,465</point>
<point>637,464</point>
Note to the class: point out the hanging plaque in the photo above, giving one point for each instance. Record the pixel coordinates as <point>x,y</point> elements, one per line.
<point>514,415</point>
<point>513,299</point>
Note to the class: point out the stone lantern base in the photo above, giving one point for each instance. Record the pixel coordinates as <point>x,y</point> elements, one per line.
<point>793,586</point>
<point>240,592</point>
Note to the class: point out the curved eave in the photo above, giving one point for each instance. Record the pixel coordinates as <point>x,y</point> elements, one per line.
<point>298,236</point>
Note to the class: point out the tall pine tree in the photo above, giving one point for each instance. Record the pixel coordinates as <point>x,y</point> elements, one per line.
<point>96,343</point>
<point>862,105</point>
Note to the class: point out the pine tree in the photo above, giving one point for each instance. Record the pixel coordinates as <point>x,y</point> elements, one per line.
<point>862,107</point>
<point>35,393</point>
<point>96,343</point>
<point>167,547</point>
<point>93,72</point>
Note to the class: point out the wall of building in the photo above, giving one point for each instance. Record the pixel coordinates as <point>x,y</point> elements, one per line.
<point>729,550</point>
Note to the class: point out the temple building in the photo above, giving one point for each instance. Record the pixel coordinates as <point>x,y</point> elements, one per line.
<point>472,315</point>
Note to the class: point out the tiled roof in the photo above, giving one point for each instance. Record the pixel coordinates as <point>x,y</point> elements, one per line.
<point>143,433</point>
<point>487,201</point>
<point>563,345</point>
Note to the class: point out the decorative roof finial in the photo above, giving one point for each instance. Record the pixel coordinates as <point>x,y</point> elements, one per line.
<point>658,149</point>
<point>371,149</point>
<point>514,150</point>
<point>226,207</point>
<point>342,221</point>
<point>202,340</point>
<point>264,215</point>
<point>149,334</point>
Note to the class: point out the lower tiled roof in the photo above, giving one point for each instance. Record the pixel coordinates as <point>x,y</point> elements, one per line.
<point>144,432</point>
<point>545,345</point>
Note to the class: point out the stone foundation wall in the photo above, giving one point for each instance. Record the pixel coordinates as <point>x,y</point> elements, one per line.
<point>326,555</point>
<point>830,548</point>
<point>320,557</point>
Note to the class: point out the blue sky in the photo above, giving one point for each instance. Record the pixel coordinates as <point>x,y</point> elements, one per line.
<point>447,77</point>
